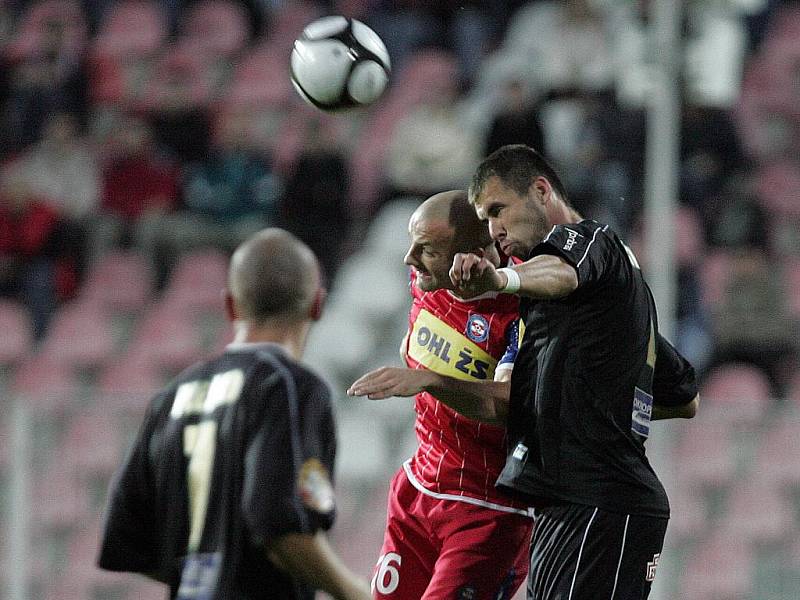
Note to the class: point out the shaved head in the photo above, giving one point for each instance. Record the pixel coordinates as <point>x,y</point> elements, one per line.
<point>273,274</point>
<point>453,208</point>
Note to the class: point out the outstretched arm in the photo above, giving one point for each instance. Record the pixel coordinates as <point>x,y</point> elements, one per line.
<point>544,276</point>
<point>485,401</point>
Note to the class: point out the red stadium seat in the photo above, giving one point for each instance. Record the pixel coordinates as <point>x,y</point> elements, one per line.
<point>80,336</point>
<point>287,22</point>
<point>759,513</point>
<point>261,79</point>
<point>167,339</point>
<point>16,341</point>
<point>776,457</point>
<point>60,500</point>
<point>198,280</point>
<point>91,444</point>
<point>131,28</point>
<point>219,26</point>
<point>33,27</point>
<point>712,440</point>
<point>779,189</point>
<point>715,271</point>
<point>121,280</point>
<point>720,568</point>
<point>741,392</point>
<point>689,518</point>
<point>792,279</point>
<point>44,385</point>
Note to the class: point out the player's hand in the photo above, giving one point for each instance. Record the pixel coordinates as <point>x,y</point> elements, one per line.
<point>473,275</point>
<point>391,381</point>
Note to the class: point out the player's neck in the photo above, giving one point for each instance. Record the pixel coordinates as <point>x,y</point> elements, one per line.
<point>291,337</point>
<point>560,213</point>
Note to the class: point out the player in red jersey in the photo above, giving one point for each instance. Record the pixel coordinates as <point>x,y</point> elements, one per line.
<point>449,533</point>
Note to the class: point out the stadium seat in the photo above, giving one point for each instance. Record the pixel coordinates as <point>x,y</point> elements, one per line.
<point>688,515</point>
<point>80,336</point>
<point>121,280</point>
<point>741,392</point>
<point>197,281</point>
<point>92,443</point>
<point>792,279</point>
<point>715,271</point>
<point>180,76</point>
<point>33,25</point>
<point>219,26</point>
<point>45,386</point>
<point>757,512</point>
<point>720,568</point>
<point>260,79</point>
<point>131,28</point>
<point>713,441</point>
<point>689,242</point>
<point>778,188</point>
<point>60,501</point>
<point>776,457</point>
<point>288,21</point>
<point>16,341</point>
<point>167,339</point>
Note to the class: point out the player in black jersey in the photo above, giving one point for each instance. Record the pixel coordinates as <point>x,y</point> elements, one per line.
<point>589,366</point>
<point>227,490</point>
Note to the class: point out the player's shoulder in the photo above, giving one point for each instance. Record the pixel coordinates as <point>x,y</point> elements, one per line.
<point>587,228</point>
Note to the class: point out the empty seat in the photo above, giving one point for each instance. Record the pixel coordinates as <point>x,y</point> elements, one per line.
<point>34,24</point>
<point>776,457</point>
<point>720,568</point>
<point>167,339</point>
<point>131,28</point>
<point>121,280</point>
<point>779,188</point>
<point>219,26</point>
<point>45,385</point>
<point>199,279</point>
<point>16,341</point>
<point>261,78</point>
<point>59,499</point>
<point>792,279</point>
<point>688,519</point>
<point>715,272</point>
<point>757,512</point>
<point>706,454</point>
<point>80,336</point>
<point>741,391</point>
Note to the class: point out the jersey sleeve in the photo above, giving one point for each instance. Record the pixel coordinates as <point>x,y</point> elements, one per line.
<point>583,245</point>
<point>287,472</point>
<point>130,540</point>
<point>506,363</point>
<point>674,380</point>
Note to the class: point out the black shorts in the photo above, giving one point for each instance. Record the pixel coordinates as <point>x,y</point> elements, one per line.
<point>585,553</point>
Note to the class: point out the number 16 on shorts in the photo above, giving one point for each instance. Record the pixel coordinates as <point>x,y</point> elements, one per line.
<point>387,577</point>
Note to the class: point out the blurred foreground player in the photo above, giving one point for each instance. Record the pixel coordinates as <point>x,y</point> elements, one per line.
<point>228,487</point>
<point>591,374</point>
<point>449,533</point>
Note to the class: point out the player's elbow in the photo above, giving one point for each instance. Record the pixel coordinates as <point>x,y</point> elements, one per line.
<point>693,407</point>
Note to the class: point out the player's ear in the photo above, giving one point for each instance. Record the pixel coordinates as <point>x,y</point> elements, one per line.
<point>319,303</point>
<point>230,305</point>
<point>541,189</point>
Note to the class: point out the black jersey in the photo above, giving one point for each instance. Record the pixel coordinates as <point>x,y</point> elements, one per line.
<point>584,380</point>
<point>237,451</point>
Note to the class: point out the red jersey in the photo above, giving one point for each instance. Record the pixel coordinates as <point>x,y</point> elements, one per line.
<point>459,458</point>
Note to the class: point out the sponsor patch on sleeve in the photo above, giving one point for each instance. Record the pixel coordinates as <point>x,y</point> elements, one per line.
<point>642,412</point>
<point>315,487</point>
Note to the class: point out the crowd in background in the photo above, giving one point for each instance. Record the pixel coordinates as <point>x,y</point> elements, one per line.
<point>167,126</point>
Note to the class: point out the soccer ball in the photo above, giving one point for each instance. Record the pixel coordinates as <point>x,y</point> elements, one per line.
<point>339,63</point>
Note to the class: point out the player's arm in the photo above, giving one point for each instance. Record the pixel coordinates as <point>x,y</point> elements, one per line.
<point>543,277</point>
<point>309,558</point>
<point>675,394</point>
<point>480,400</point>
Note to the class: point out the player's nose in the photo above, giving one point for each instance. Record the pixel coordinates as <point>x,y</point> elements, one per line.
<point>496,232</point>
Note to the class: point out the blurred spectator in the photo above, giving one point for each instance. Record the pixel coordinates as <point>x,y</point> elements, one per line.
<point>750,323</point>
<point>432,148</point>
<point>315,205</point>
<point>517,122</point>
<point>32,269</point>
<point>62,169</point>
<point>734,217</point>
<point>140,185</point>
<point>49,80</point>
<point>710,151</point>
<point>230,194</point>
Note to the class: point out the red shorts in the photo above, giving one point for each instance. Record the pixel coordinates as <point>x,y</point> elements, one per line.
<point>436,549</point>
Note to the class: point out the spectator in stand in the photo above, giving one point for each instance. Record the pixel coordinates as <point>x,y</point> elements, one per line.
<point>433,148</point>
<point>315,205</point>
<point>62,169</point>
<point>517,122</point>
<point>227,197</point>
<point>31,268</point>
<point>50,81</point>
<point>141,185</point>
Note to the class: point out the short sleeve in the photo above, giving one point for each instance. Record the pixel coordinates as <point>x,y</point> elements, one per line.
<point>506,363</point>
<point>674,380</point>
<point>585,245</point>
<point>287,471</point>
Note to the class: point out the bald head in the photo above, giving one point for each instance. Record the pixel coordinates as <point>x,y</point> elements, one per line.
<point>453,209</point>
<point>273,274</point>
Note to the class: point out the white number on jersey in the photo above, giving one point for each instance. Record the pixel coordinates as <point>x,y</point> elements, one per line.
<point>384,568</point>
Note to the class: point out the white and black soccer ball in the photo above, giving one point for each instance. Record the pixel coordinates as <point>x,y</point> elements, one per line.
<point>339,63</point>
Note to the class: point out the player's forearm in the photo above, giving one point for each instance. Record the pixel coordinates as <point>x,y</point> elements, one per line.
<point>686,411</point>
<point>544,277</point>
<point>309,558</point>
<point>485,401</point>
